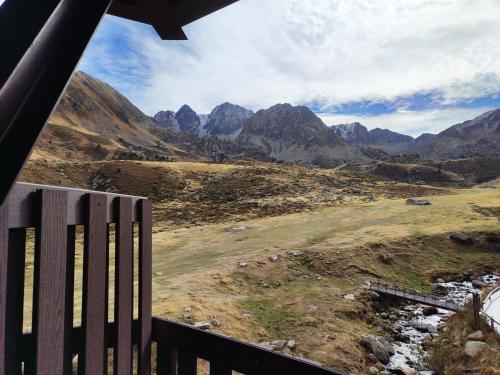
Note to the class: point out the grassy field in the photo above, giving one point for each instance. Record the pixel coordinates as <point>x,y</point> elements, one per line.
<point>339,243</point>
<point>302,297</point>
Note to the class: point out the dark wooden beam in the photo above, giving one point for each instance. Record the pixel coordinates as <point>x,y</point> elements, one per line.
<point>33,78</point>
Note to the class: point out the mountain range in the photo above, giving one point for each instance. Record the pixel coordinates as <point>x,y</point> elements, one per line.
<point>94,121</point>
<point>225,121</point>
<point>387,140</point>
<point>477,137</point>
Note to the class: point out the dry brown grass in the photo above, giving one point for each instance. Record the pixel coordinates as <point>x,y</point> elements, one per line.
<point>447,350</point>
<point>340,239</point>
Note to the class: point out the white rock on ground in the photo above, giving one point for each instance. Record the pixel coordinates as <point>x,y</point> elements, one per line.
<point>278,344</point>
<point>273,258</point>
<point>202,325</point>
<point>291,344</point>
<point>215,322</point>
<point>461,238</point>
<point>476,336</point>
<point>295,253</point>
<point>473,348</point>
<point>417,202</point>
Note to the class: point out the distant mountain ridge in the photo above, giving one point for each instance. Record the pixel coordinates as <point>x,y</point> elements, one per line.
<point>385,139</point>
<point>224,121</point>
<point>477,137</point>
<point>95,121</point>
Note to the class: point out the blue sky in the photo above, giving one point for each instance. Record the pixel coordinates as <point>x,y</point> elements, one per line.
<point>412,66</point>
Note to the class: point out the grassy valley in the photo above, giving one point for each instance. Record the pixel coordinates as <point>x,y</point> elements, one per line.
<point>265,249</point>
<point>271,250</point>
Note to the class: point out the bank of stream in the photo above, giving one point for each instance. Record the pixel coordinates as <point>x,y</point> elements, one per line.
<point>415,323</point>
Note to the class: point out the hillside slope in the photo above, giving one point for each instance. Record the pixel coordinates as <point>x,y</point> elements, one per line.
<point>93,121</point>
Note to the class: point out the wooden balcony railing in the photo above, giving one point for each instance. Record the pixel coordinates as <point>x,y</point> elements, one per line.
<point>180,345</point>
<point>57,342</point>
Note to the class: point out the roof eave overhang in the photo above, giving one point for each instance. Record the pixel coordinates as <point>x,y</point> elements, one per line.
<point>166,16</point>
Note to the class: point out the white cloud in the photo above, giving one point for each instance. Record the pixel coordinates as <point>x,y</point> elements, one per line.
<point>258,52</point>
<point>412,123</point>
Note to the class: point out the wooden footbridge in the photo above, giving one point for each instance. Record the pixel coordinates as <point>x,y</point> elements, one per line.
<point>403,292</point>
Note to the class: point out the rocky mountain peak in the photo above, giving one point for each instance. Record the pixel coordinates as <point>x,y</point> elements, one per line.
<point>485,124</point>
<point>288,123</point>
<point>353,133</point>
<point>357,134</point>
<point>291,133</point>
<point>166,119</point>
<point>226,120</point>
<point>388,136</point>
<point>477,137</point>
<point>188,119</point>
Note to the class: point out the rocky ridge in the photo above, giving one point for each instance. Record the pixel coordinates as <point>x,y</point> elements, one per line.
<point>295,133</point>
<point>387,140</point>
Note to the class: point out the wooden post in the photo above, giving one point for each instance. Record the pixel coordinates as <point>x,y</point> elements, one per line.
<point>476,307</point>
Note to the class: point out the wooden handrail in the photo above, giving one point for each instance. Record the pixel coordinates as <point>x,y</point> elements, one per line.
<point>22,204</point>
<point>179,345</point>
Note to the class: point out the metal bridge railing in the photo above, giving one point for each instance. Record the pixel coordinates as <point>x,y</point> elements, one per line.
<point>403,291</point>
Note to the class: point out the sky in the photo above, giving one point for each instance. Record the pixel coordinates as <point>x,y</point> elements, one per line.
<point>411,66</point>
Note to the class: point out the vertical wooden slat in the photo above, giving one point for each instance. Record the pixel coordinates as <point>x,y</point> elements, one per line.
<point>68,315</point>
<point>50,283</point>
<point>124,271</point>
<point>106,294</point>
<point>145,285</point>
<point>94,316</point>
<point>187,363</point>
<point>15,301</point>
<point>4,239</point>
<point>166,360</point>
<point>218,368</point>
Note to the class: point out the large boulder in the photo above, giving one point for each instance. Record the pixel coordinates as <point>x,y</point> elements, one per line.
<point>476,336</point>
<point>385,258</point>
<point>429,310</point>
<point>409,371</point>
<point>380,348</point>
<point>461,238</point>
<point>423,327</point>
<point>478,284</point>
<point>417,202</point>
<point>473,348</point>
